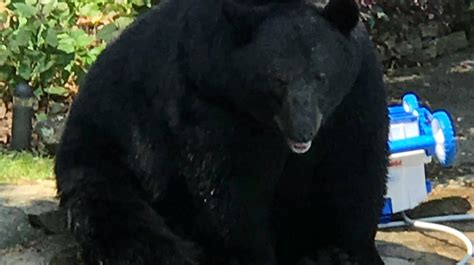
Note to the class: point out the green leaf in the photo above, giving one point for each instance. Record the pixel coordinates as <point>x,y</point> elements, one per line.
<point>123,22</point>
<point>70,66</point>
<point>31,2</point>
<point>6,33</point>
<point>62,13</point>
<point>372,22</point>
<point>52,23</point>
<point>107,33</point>
<point>55,108</point>
<point>62,59</point>
<point>6,73</point>
<point>43,67</point>
<point>41,116</point>
<point>14,47</point>
<point>34,55</point>
<point>138,2</point>
<point>25,10</point>
<point>22,21</point>
<point>51,37</point>
<point>66,43</point>
<point>24,69</point>
<point>90,10</point>
<point>38,92</point>
<point>37,23</point>
<point>81,38</point>
<point>23,36</point>
<point>4,54</point>
<point>48,6</point>
<point>63,7</point>
<point>56,90</point>
<point>93,53</point>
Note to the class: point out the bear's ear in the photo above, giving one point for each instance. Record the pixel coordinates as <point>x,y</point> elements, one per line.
<point>344,14</point>
<point>246,17</point>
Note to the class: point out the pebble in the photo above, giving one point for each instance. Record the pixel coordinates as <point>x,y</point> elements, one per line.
<point>455,183</point>
<point>471,131</point>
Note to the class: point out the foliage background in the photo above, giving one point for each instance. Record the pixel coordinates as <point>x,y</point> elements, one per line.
<point>50,44</point>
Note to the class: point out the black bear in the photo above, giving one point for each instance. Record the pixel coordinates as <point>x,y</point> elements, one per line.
<point>248,132</point>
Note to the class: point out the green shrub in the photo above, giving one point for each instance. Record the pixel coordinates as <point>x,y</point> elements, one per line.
<point>51,43</point>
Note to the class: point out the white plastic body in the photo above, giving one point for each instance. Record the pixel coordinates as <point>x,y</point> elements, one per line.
<point>406,183</point>
<point>400,130</point>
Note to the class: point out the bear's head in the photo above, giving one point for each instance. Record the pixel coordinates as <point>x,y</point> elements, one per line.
<point>292,63</point>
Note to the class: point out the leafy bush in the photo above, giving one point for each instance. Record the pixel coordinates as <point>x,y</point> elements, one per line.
<point>51,43</point>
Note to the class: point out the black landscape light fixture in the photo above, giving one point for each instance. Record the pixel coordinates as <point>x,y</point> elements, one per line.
<point>22,117</point>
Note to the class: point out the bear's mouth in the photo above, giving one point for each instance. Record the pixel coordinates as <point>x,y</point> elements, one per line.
<point>299,147</point>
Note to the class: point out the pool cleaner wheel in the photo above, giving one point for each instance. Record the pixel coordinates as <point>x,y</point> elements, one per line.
<point>445,138</point>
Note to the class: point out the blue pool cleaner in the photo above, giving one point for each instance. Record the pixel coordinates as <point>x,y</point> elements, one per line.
<point>417,135</point>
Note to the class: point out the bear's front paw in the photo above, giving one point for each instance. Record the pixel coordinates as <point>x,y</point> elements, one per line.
<point>332,256</point>
<point>140,253</point>
<point>254,262</point>
<point>306,261</point>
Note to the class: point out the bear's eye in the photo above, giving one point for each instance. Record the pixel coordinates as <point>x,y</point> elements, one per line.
<point>320,76</point>
<point>282,80</point>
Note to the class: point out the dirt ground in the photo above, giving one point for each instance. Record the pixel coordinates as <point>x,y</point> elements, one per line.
<point>447,84</point>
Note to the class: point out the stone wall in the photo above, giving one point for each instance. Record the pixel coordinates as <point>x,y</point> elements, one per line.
<point>413,32</point>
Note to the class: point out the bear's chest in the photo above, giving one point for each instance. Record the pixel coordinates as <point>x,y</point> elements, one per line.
<point>204,171</point>
<point>206,175</point>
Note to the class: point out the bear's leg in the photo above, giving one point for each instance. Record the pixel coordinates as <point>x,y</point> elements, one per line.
<point>350,169</point>
<point>349,173</point>
<point>258,163</point>
<point>350,177</point>
<point>124,231</point>
<point>107,213</point>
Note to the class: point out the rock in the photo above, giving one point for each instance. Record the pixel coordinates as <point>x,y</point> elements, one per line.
<point>390,42</point>
<point>32,230</point>
<point>429,53</point>
<point>452,42</point>
<point>51,250</point>
<point>15,227</point>
<point>68,256</point>
<point>381,53</point>
<point>404,48</point>
<point>471,131</point>
<point>38,207</point>
<point>53,222</point>
<point>396,261</point>
<point>430,29</point>
<point>415,42</point>
<point>50,131</point>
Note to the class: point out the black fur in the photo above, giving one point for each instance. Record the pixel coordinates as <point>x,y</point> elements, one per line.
<point>175,151</point>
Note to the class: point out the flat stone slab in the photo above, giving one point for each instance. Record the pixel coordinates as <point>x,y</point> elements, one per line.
<point>15,227</point>
<point>48,250</point>
<point>396,261</point>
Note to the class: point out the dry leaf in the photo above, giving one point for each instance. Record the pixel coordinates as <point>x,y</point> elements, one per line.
<point>3,109</point>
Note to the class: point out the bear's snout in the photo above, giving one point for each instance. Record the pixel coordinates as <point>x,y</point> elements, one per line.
<point>299,147</point>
